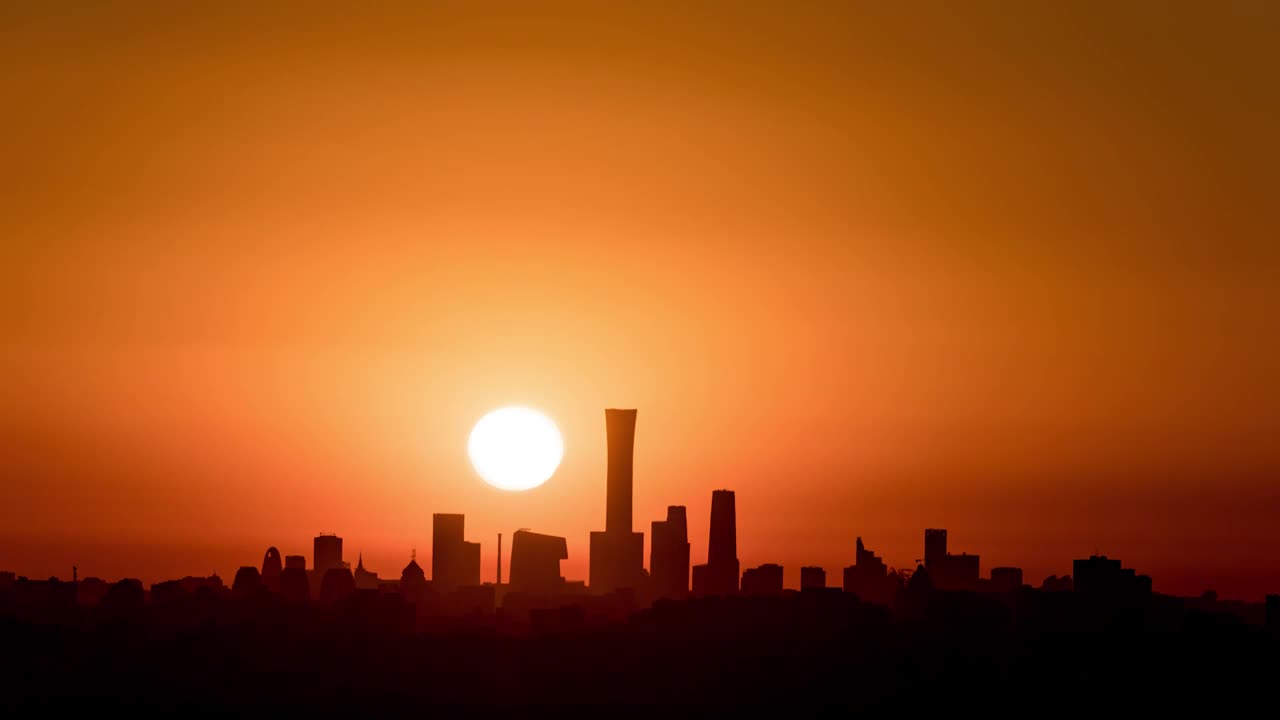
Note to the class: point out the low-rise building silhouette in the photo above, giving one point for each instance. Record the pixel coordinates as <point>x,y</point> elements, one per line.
<point>1006,579</point>
<point>762,580</point>
<point>535,562</point>
<point>125,599</point>
<point>171,590</point>
<point>812,578</point>
<point>947,571</point>
<point>247,581</point>
<point>295,588</point>
<point>1103,581</point>
<point>337,585</point>
<point>91,590</point>
<point>364,579</point>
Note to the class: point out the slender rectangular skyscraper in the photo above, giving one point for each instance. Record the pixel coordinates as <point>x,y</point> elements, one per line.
<point>617,554</point>
<point>720,575</point>
<point>723,545</point>
<point>620,430</point>
<point>935,548</point>
<point>669,554</point>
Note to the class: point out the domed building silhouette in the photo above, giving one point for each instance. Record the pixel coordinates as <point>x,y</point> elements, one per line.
<point>247,582</point>
<point>413,581</point>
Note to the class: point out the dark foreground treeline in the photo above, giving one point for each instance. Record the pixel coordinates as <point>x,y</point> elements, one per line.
<point>371,654</point>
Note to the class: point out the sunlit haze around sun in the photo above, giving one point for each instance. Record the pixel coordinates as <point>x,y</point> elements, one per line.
<point>515,448</point>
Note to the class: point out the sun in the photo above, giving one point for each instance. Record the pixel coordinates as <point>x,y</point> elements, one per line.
<point>515,448</point>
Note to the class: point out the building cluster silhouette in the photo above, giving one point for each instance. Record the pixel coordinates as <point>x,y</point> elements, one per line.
<point>712,632</point>
<point>616,567</point>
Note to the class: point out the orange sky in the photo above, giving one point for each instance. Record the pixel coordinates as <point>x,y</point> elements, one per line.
<point>1011,271</point>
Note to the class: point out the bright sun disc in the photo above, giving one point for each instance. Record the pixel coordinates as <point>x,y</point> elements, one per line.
<point>515,448</point>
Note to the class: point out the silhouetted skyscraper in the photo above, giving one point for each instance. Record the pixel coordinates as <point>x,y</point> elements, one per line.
<point>620,432</point>
<point>535,562</point>
<point>298,562</point>
<point>669,554</point>
<point>617,554</point>
<point>869,577</point>
<point>720,575</point>
<point>935,547</point>
<point>272,565</point>
<point>326,554</point>
<point>812,578</point>
<point>723,545</point>
<point>455,562</point>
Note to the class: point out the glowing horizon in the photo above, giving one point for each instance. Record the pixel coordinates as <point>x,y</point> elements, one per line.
<point>1011,273</point>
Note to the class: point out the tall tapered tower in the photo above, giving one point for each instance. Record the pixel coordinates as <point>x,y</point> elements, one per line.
<point>617,554</point>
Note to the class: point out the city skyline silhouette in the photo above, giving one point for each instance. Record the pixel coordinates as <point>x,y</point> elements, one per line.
<point>633,569</point>
<point>618,564</point>
<point>540,640</point>
<point>936,344</point>
<point>1005,272</point>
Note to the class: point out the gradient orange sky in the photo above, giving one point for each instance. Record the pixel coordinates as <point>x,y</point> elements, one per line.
<point>1004,269</point>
